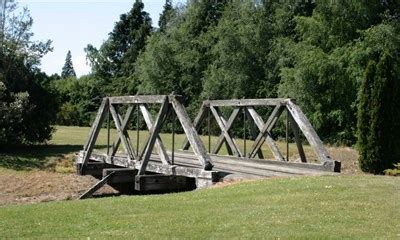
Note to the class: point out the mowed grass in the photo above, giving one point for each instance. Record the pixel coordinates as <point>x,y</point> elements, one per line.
<point>357,207</point>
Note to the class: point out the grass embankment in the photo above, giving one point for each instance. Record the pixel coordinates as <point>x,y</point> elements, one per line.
<point>312,207</point>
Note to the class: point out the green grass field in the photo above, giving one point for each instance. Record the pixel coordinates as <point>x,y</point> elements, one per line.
<point>357,207</point>
<point>347,206</point>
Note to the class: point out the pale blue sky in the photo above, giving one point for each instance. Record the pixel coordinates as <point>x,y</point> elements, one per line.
<point>71,25</point>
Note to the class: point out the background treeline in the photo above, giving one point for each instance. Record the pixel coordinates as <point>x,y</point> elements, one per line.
<point>314,51</point>
<point>339,59</point>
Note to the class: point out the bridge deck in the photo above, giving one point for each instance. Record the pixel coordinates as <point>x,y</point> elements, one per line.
<point>225,167</point>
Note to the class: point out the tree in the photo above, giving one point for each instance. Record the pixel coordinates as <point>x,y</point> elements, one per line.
<point>27,108</point>
<point>378,116</point>
<point>68,68</point>
<point>117,55</point>
<point>166,16</point>
<point>243,40</point>
<point>175,61</point>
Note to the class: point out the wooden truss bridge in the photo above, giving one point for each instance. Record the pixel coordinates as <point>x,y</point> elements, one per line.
<point>154,168</point>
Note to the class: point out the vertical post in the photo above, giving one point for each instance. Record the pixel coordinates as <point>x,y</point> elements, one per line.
<point>244,131</point>
<point>287,135</point>
<point>108,132</point>
<point>209,129</point>
<point>173,138</point>
<point>137,130</point>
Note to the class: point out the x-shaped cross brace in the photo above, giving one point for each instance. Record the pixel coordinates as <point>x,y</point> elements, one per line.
<point>123,136</point>
<point>226,136</point>
<point>265,132</point>
<point>159,144</point>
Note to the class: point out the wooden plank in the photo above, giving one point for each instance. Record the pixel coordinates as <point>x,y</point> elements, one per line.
<point>223,125</point>
<point>271,143</point>
<point>311,136</point>
<point>124,127</point>
<point>159,144</point>
<point>94,132</point>
<point>153,133</point>
<point>245,102</point>
<point>164,183</point>
<point>197,124</point>
<point>140,99</point>
<point>125,143</point>
<point>259,141</point>
<point>191,133</point>
<point>96,187</point>
<point>121,175</point>
<point>296,132</point>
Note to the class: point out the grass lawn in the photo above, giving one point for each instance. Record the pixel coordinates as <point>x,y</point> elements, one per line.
<point>356,207</point>
<point>346,206</point>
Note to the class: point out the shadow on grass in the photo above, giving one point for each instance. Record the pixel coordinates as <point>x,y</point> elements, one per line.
<point>34,157</point>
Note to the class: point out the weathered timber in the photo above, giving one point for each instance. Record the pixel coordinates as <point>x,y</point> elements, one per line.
<point>260,125</point>
<point>191,134</point>
<point>196,124</point>
<point>94,132</point>
<point>120,175</point>
<point>122,170</point>
<point>296,132</point>
<point>245,102</point>
<point>221,161</point>
<point>125,143</point>
<point>164,183</point>
<point>225,126</point>
<point>124,128</point>
<point>258,142</point>
<point>311,136</point>
<point>97,186</point>
<point>143,99</point>
<point>153,133</point>
<point>194,170</point>
<point>159,144</point>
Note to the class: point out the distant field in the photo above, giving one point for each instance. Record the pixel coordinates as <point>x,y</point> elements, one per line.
<point>357,207</point>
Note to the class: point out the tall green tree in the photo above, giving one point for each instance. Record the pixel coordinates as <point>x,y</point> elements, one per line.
<point>68,68</point>
<point>378,116</point>
<point>166,16</point>
<point>117,55</point>
<point>175,61</point>
<point>26,106</point>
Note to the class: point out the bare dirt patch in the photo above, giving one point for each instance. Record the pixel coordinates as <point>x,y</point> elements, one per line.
<point>19,187</point>
<point>348,157</point>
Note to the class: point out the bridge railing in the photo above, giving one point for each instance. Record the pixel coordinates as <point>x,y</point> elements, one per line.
<point>296,122</point>
<point>171,106</point>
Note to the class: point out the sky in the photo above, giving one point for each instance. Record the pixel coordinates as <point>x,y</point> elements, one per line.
<point>72,25</point>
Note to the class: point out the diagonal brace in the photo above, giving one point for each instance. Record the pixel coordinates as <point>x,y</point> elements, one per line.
<point>262,136</point>
<point>270,141</point>
<point>159,144</point>
<point>225,134</point>
<point>122,134</point>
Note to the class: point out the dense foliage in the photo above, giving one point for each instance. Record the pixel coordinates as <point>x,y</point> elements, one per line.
<point>27,108</point>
